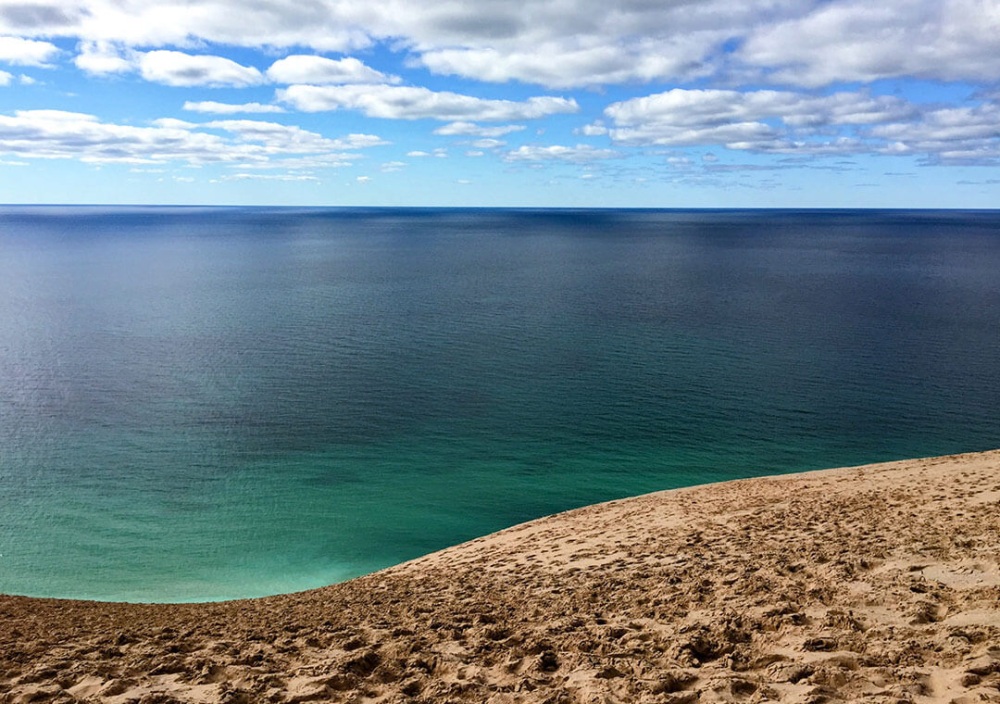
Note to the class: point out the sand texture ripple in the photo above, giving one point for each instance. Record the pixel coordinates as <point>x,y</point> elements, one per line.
<point>876,584</point>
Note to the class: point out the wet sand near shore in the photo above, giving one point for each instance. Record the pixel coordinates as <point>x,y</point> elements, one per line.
<point>877,584</point>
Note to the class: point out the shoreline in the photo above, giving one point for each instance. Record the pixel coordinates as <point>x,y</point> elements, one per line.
<point>879,582</point>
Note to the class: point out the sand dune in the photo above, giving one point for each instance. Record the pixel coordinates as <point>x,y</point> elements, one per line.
<point>877,583</point>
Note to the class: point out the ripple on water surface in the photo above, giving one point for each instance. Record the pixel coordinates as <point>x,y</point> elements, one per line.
<point>213,403</point>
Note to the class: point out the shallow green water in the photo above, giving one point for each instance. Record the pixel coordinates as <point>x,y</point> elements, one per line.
<point>213,403</point>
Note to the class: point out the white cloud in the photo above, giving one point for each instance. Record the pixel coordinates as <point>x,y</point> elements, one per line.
<point>324,25</point>
<point>595,129</point>
<point>175,68</point>
<point>562,64</point>
<point>287,138</point>
<point>960,135</point>
<point>488,143</point>
<point>363,179</point>
<point>440,153</point>
<point>747,120</point>
<point>243,176</point>
<point>414,103</point>
<point>210,106</point>
<point>392,166</point>
<point>309,162</point>
<point>780,122</point>
<point>54,134</point>
<point>319,70</point>
<point>102,58</point>
<point>562,43</point>
<point>857,40</point>
<point>574,42</point>
<point>580,154</point>
<point>27,52</point>
<point>571,42</point>
<point>471,129</point>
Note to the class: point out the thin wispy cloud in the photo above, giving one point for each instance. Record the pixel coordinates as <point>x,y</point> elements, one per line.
<point>212,106</point>
<point>415,103</point>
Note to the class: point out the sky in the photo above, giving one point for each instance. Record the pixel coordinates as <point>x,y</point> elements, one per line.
<point>555,103</point>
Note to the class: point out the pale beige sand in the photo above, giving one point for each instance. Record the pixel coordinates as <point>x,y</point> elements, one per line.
<point>876,584</point>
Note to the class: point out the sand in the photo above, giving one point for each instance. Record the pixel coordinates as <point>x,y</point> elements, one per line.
<point>877,583</point>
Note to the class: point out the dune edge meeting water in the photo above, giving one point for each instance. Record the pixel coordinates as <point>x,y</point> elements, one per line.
<point>878,582</point>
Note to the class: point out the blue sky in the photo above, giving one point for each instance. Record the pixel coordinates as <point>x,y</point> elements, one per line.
<point>658,103</point>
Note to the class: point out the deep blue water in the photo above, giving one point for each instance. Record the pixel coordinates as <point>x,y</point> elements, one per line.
<point>203,403</point>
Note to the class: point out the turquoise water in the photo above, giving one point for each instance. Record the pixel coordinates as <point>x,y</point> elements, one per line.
<point>213,403</point>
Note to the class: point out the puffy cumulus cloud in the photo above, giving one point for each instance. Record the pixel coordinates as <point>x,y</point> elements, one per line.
<point>857,40</point>
<point>102,58</point>
<point>414,103</point>
<point>687,108</point>
<point>561,43</point>
<point>575,42</point>
<point>55,134</point>
<point>44,17</point>
<point>594,129</point>
<point>782,122</point>
<point>750,120</point>
<point>966,135</point>
<point>175,68</point>
<point>319,70</point>
<point>5,78</point>
<point>580,154</point>
<point>27,52</point>
<point>325,25</point>
<point>560,65</point>
<point>580,30</point>
<point>471,129</point>
<point>210,106</point>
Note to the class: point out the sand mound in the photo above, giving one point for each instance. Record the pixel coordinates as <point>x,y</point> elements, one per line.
<point>877,583</point>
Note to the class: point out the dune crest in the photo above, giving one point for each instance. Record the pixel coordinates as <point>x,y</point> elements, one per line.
<point>879,583</point>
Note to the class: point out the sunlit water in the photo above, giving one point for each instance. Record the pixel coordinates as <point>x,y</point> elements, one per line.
<point>214,403</point>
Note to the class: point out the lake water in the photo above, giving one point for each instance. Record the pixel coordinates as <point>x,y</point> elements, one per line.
<point>202,403</point>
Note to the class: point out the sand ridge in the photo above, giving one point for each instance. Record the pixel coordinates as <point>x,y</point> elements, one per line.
<point>878,583</point>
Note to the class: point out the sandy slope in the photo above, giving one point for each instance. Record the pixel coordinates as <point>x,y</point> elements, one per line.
<point>878,583</point>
